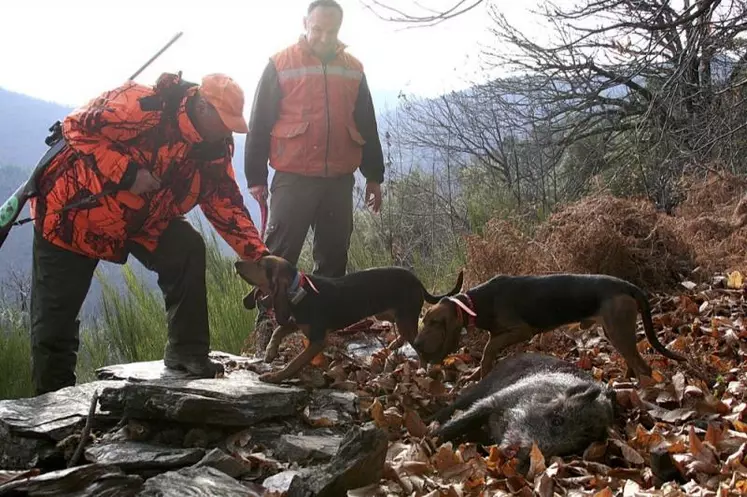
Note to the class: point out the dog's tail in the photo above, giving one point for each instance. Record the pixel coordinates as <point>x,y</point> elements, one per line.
<point>648,324</point>
<point>433,299</point>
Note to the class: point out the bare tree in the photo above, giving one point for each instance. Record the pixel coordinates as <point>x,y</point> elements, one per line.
<point>424,16</point>
<point>660,83</point>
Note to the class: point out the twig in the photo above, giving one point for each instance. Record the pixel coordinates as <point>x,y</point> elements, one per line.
<point>86,431</point>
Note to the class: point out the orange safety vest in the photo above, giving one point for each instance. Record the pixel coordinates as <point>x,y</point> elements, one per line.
<point>315,132</point>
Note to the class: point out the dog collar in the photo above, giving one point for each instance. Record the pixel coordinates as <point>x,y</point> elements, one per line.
<point>465,308</point>
<point>305,279</point>
<point>296,290</point>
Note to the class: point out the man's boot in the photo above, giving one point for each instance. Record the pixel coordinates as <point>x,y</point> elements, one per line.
<point>200,366</point>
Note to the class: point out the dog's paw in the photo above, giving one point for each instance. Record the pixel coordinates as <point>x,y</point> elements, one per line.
<point>270,378</point>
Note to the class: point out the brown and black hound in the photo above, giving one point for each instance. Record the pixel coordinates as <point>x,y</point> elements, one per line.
<point>515,308</point>
<point>328,304</point>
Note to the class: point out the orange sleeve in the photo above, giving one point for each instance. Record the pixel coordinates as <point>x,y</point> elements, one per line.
<point>224,207</point>
<point>99,128</point>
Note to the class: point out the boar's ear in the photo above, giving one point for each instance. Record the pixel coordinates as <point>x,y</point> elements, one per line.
<point>584,393</point>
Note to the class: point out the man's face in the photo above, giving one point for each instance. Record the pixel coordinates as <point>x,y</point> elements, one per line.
<point>322,26</point>
<point>208,122</point>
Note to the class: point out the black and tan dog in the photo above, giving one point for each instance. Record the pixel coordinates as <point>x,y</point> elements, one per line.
<point>328,304</point>
<point>515,308</point>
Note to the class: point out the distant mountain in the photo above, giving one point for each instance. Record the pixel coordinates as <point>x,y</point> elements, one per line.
<point>24,123</point>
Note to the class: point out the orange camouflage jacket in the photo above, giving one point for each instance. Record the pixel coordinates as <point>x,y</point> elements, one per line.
<point>84,204</point>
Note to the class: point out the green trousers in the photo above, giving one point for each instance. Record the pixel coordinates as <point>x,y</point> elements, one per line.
<point>60,281</point>
<point>325,205</point>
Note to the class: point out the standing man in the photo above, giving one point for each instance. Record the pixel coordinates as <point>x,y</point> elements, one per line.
<point>136,160</point>
<point>313,120</point>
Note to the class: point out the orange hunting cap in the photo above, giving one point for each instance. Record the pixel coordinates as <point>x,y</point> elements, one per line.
<point>227,97</point>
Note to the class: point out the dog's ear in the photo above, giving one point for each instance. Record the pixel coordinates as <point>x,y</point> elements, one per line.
<point>280,299</point>
<point>258,273</point>
<point>250,301</point>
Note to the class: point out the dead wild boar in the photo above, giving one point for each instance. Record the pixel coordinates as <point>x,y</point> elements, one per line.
<point>531,398</point>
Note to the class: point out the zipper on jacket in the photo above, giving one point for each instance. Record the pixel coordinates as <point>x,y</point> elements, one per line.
<point>326,108</point>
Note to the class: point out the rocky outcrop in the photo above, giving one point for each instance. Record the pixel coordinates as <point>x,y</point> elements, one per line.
<point>158,432</point>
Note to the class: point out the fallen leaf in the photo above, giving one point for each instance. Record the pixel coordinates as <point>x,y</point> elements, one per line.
<point>536,462</point>
<point>414,424</point>
<point>415,467</point>
<point>688,306</point>
<point>631,489</point>
<point>377,414</point>
<point>688,284</point>
<point>700,450</point>
<point>320,419</point>
<point>544,486</point>
<point>595,451</point>
<point>677,415</point>
<point>657,376</point>
<point>630,454</point>
<point>713,434</point>
<point>734,280</point>
<point>393,418</point>
<point>679,385</point>
<point>445,458</point>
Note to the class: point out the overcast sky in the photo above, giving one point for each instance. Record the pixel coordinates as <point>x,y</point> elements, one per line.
<point>68,52</point>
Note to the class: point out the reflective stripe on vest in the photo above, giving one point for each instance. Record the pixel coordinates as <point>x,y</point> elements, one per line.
<point>300,72</point>
<point>315,133</point>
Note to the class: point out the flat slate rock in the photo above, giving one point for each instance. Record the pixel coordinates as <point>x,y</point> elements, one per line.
<point>339,400</point>
<point>221,461</point>
<point>305,448</point>
<point>94,480</point>
<point>330,408</point>
<point>195,482</point>
<point>156,370</point>
<point>287,482</point>
<point>30,427</point>
<point>137,456</point>
<point>52,414</point>
<point>238,399</point>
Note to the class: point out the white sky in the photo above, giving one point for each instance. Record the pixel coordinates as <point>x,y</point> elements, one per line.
<point>68,52</point>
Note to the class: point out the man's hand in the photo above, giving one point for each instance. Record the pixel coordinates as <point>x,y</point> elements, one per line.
<point>259,192</point>
<point>145,182</point>
<point>373,196</point>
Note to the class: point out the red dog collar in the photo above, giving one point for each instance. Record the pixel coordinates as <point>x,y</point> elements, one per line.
<point>466,308</point>
<point>302,278</point>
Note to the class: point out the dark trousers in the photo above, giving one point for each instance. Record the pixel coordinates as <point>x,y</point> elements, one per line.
<point>325,205</point>
<point>60,280</point>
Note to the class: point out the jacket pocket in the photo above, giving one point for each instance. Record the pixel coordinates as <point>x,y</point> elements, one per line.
<point>355,135</point>
<point>289,130</point>
<point>288,144</point>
